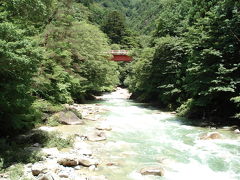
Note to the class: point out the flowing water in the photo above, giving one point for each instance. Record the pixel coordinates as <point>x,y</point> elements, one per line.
<point>143,136</point>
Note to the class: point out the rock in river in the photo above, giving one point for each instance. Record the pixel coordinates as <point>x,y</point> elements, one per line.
<point>68,118</point>
<point>112,164</point>
<point>85,161</point>
<point>96,136</point>
<point>104,127</point>
<point>211,135</point>
<point>157,171</point>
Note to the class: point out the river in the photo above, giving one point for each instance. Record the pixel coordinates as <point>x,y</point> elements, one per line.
<point>144,136</point>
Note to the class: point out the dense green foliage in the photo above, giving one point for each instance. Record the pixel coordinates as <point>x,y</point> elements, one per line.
<point>114,27</point>
<point>123,6</point>
<point>195,60</point>
<point>140,15</point>
<point>19,59</point>
<point>186,55</point>
<point>145,14</point>
<point>76,62</point>
<point>48,50</point>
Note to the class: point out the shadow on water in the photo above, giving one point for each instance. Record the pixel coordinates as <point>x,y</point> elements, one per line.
<point>207,123</point>
<point>182,120</point>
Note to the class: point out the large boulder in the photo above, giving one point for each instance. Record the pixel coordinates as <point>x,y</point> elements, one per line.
<point>68,160</point>
<point>68,118</point>
<point>156,171</point>
<point>211,135</point>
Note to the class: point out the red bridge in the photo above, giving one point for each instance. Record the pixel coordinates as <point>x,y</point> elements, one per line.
<point>121,55</point>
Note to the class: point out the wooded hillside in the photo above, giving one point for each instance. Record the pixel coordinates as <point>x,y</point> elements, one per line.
<point>192,63</point>
<point>186,56</point>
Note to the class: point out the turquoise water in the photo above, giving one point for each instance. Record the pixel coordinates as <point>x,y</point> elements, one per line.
<point>144,136</point>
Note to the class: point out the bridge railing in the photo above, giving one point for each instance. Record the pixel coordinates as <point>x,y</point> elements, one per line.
<point>119,52</point>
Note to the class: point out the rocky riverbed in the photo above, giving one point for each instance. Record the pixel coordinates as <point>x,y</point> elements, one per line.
<point>78,162</point>
<point>83,122</point>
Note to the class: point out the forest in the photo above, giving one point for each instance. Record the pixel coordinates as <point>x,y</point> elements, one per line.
<point>53,52</point>
<point>176,105</point>
<point>191,63</point>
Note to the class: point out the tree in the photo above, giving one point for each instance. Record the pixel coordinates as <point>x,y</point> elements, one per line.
<point>196,60</point>
<point>115,27</point>
<point>139,75</point>
<point>212,78</point>
<point>76,62</point>
<point>19,58</point>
